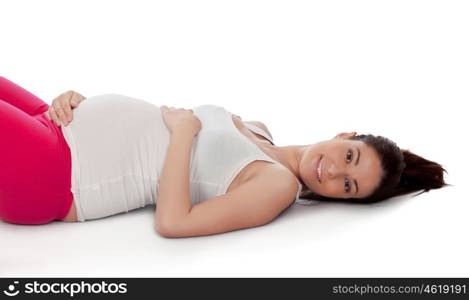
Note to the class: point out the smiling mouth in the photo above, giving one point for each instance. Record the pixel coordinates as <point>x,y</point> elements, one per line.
<point>319,169</point>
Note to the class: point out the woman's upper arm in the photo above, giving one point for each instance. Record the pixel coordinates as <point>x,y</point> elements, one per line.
<point>255,202</point>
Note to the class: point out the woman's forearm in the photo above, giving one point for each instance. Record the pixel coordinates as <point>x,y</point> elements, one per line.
<point>173,200</point>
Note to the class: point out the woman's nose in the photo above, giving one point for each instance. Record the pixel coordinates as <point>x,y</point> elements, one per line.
<point>333,171</point>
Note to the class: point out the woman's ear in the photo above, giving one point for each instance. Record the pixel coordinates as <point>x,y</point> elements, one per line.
<point>345,135</point>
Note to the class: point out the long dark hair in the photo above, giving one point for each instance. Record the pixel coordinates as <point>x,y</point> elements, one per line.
<point>404,172</point>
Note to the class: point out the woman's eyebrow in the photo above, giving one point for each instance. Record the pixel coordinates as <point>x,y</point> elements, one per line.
<point>358,156</point>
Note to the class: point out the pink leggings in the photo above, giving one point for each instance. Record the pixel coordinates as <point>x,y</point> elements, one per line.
<point>35,160</point>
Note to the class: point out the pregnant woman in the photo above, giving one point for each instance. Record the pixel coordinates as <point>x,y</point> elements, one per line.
<point>205,169</point>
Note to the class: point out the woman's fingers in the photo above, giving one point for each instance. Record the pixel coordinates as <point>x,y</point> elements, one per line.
<point>53,115</point>
<point>170,107</point>
<point>67,110</point>
<point>76,99</point>
<point>61,112</point>
<point>61,109</point>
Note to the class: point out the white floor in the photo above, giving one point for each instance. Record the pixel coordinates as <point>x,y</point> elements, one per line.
<point>423,236</point>
<point>308,70</point>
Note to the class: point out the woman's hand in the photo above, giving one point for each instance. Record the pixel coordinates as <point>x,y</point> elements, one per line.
<point>180,119</point>
<point>61,108</point>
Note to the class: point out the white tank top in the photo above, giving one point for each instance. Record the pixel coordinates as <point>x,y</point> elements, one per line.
<point>118,146</point>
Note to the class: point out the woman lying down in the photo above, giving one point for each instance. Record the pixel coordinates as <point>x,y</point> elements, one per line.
<point>205,169</point>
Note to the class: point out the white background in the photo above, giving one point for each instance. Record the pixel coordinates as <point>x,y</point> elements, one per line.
<point>308,70</point>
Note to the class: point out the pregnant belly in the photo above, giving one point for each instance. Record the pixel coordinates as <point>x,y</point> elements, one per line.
<point>117,144</point>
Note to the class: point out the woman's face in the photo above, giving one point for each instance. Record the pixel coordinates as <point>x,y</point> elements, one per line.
<point>349,169</point>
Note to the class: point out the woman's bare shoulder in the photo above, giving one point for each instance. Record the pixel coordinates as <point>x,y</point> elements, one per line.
<point>278,175</point>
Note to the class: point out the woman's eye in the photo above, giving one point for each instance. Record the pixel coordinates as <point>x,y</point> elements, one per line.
<point>351,154</point>
<point>347,183</point>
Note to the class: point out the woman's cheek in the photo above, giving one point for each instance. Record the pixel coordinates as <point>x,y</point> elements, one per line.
<point>330,189</point>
